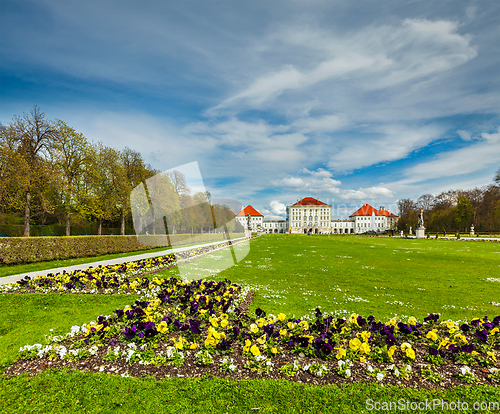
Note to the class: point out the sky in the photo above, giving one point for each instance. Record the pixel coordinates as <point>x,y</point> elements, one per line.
<point>351,102</point>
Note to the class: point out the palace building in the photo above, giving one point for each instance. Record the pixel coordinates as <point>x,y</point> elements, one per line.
<point>312,216</point>
<point>256,219</point>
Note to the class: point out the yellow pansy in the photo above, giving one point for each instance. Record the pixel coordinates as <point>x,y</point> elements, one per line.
<point>365,348</point>
<point>365,335</point>
<point>281,317</point>
<point>274,350</point>
<point>304,325</point>
<point>353,318</point>
<point>194,345</point>
<point>432,335</point>
<point>492,356</point>
<point>255,350</point>
<point>412,320</point>
<point>391,350</point>
<point>162,327</point>
<point>210,341</point>
<point>224,323</point>
<point>254,328</point>
<point>291,325</point>
<point>494,331</point>
<point>341,353</point>
<point>354,344</point>
<point>405,346</point>
<point>283,332</point>
<point>262,339</point>
<point>410,353</point>
<point>444,342</point>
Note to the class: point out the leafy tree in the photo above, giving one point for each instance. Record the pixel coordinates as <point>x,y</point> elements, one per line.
<point>98,195</point>
<point>30,140</point>
<point>463,212</point>
<point>71,151</point>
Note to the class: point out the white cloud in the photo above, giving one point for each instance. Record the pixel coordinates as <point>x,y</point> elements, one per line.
<point>465,160</point>
<point>465,135</point>
<point>391,143</point>
<point>372,193</point>
<point>277,208</point>
<point>375,57</point>
<point>326,123</point>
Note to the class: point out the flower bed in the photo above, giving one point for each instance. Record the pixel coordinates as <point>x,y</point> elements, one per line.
<point>191,329</point>
<point>111,279</point>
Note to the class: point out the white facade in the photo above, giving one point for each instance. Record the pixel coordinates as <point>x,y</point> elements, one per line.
<point>309,216</point>
<point>312,216</point>
<point>275,226</point>
<point>256,222</point>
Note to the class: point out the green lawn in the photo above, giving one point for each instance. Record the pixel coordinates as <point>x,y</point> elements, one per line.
<point>369,276</point>
<point>292,274</point>
<point>26,319</point>
<point>63,391</point>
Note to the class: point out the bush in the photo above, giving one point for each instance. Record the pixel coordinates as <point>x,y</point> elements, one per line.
<point>17,250</point>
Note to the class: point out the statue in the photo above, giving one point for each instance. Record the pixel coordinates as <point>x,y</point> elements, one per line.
<point>420,232</point>
<point>248,222</point>
<point>421,218</point>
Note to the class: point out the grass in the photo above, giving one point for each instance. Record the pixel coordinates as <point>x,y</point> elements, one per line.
<point>369,276</point>
<point>73,391</point>
<point>290,274</point>
<point>26,319</point>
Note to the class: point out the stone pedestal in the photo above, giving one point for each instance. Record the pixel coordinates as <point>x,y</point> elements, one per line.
<point>248,233</point>
<point>420,232</point>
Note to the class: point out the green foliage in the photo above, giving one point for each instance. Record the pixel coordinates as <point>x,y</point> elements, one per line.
<point>25,250</point>
<point>430,375</point>
<point>435,359</point>
<point>290,369</point>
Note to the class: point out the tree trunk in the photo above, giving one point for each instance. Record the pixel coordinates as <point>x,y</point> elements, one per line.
<point>99,226</point>
<point>68,224</point>
<point>122,227</point>
<point>27,214</point>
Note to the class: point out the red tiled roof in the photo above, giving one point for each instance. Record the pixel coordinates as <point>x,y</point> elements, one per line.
<point>249,210</point>
<point>368,210</point>
<point>309,201</point>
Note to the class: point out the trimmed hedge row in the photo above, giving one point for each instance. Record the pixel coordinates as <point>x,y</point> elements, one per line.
<point>18,250</point>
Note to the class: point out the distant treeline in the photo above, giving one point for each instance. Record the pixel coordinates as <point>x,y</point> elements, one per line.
<point>455,210</point>
<point>51,175</point>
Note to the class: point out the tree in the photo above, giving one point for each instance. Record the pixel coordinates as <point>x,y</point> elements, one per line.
<point>71,152</point>
<point>463,212</point>
<point>98,195</point>
<point>135,171</point>
<point>496,179</point>
<point>425,202</point>
<point>31,139</point>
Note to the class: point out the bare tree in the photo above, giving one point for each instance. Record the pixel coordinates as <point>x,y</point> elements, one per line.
<point>425,202</point>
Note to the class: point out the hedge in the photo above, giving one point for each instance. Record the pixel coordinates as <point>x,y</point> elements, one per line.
<point>18,250</point>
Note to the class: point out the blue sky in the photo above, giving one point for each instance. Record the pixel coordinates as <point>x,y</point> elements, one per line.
<point>352,102</point>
